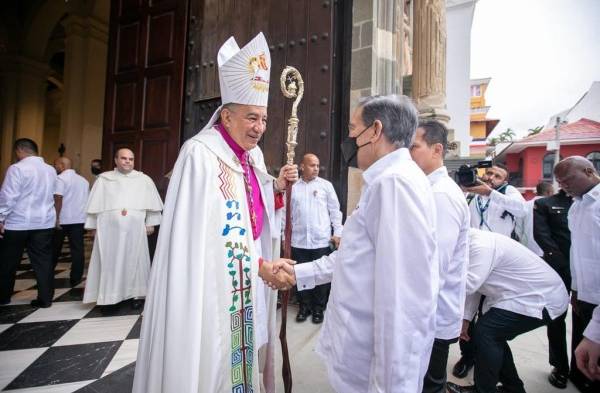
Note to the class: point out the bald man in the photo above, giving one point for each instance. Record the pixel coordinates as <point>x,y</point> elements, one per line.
<point>124,207</point>
<point>578,178</point>
<point>70,197</point>
<point>316,222</point>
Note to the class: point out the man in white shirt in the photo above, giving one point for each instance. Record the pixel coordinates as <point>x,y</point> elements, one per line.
<point>428,150</point>
<point>380,323</point>
<point>578,177</point>
<point>27,220</point>
<point>497,207</point>
<point>315,215</point>
<point>521,293</point>
<point>70,198</point>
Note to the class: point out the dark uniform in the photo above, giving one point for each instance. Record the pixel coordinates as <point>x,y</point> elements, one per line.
<point>551,233</point>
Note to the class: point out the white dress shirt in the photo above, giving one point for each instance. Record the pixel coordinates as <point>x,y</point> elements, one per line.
<point>486,212</point>
<point>511,277</point>
<point>380,320</point>
<point>592,331</point>
<point>315,212</point>
<point>26,197</point>
<point>584,223</point>
<point>74,190</point>
<point>453,247</point>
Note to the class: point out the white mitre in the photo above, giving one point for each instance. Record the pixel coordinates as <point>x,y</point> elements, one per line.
<point>244,74</point>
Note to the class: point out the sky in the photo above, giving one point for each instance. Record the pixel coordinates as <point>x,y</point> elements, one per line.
<point>542,56</point>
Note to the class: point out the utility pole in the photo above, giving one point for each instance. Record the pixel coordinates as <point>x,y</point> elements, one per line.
<point>559,122</point>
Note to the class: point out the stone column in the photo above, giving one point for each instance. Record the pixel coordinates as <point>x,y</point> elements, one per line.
<point>429,59</point>
<point>86,44</point>
<point>23,96</point>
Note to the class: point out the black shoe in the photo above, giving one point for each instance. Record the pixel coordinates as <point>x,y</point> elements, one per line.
<point>454,388</point>
<point>462,367</point>
<point>558,379</point>
<point>109,309</point>
<point>302,314</point>
<point>137,304</point>
<point>317,317</point>
<point>74,283</point>
<point>38,304</point>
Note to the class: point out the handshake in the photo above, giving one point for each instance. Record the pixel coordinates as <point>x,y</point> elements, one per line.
<point>278,274</point>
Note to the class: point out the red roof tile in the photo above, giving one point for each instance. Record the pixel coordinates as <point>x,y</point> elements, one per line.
<point>581,129</point>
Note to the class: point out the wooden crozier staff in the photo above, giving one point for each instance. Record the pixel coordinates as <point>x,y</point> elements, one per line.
<point>292,86</point>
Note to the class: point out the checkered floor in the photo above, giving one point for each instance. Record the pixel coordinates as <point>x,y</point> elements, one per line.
<point>69,347</point>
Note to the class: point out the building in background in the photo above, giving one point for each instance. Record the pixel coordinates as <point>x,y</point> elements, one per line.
<point>480,125</point>
<point>531,159</point>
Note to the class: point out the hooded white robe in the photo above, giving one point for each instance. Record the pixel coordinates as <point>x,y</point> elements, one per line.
<point>207,313</point>
<point>120,207</point>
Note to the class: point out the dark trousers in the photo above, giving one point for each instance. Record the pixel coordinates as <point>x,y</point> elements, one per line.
<point>313,299</point>
<point>75,234</point>
<point>39,248</point>
<point>467,349</point>
<point>493,358</point>
<point>580,322</point>
<point>557,331</point>
<point>435,379</point>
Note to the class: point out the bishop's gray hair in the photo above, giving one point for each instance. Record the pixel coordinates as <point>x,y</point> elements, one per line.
<point>396,113</point>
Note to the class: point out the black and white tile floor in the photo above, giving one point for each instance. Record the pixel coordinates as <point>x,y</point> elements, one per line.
<point>69,347</point>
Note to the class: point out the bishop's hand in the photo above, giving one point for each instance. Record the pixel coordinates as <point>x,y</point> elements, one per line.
<point>287,173</point>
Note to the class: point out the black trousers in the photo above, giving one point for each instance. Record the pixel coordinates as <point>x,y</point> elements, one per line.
<point>435,379</point>
<point>493,358</point>
<point>580,322</point>
<point>557,334</point>
<point>313,299</point>
<point>39,248</point>
<point>75,234</point>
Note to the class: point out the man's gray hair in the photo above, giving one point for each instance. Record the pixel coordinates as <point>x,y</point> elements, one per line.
<point>396,113</point>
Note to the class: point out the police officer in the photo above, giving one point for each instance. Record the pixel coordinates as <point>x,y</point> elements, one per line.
<point>551,233</point>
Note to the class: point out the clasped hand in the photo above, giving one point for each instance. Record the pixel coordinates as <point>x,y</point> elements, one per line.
<point>278,274</point>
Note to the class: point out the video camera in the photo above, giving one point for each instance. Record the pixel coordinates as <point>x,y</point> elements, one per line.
<point>466,175</point>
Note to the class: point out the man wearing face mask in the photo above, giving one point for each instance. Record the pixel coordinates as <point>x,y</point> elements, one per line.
<point>96,167</point>
<point>380,323</point>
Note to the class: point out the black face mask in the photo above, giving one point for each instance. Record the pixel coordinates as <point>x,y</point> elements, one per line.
<point>350,149</point>
<point>96,171</point>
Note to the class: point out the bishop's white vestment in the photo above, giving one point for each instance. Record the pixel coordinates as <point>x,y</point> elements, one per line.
<point>120,207</point>
<point>207,313</point>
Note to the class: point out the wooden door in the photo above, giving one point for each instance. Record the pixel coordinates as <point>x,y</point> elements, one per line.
<point>306,34</point>
<point>144,88</point>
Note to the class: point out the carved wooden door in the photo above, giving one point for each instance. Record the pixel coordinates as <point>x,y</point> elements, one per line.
<point>144,88</point>
<point>306,34</point>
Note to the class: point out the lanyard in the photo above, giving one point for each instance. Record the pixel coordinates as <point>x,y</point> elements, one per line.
<point>481,209</point>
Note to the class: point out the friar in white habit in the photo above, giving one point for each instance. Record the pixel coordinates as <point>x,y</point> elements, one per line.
<point>123,207</point>
<point>209,321</point>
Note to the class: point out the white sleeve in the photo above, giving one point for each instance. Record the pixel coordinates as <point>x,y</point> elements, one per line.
<point>91,221</point>
<point>592,331</point>
<point>481,257</point>
<point>512,201</point>
<point>447,231</point>
<point>405,292</point>
<point>311,274</point>
<point>10,192</point>
<point>153,218</point>
<point>59,186</point>
<point>335,214</point>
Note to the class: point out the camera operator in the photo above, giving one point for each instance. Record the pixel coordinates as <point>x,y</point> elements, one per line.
<point>497,205</point>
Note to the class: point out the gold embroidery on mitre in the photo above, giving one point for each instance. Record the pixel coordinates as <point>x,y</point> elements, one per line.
<point>258,68</point>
